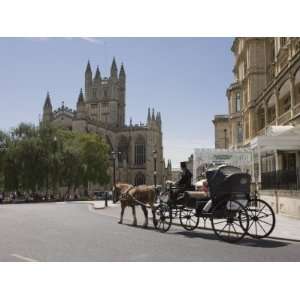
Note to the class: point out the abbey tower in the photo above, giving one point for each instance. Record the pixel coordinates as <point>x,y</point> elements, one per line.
<point>101,109</point>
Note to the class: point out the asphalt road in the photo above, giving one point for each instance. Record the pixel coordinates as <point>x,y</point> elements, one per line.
<point>77,232</point>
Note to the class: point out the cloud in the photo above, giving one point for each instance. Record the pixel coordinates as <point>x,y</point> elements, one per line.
<point>93,40</point>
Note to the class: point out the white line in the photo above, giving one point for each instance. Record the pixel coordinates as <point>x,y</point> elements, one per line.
<point>24,258</point>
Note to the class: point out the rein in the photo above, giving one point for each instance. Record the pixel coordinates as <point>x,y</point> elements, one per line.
<point>125,195</point>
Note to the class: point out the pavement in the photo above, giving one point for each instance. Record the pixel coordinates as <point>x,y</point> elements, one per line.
<point>68,231</point>
<point>285,227</point>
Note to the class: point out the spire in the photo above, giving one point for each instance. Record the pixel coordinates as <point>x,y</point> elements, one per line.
<point>47,103</point>
<point>149,115</point>
<point>88,68</point>
<point>97,74</point>
<point>114,69</point>
<point>122,72</point>
<point>153,115</point>
<point>80,98</point>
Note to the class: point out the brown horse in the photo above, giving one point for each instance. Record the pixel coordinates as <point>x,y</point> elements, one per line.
<point>130,195</point>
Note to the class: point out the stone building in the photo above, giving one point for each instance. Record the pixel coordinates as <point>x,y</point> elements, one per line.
<point>221,131</point>
<point>101,109</point>
<point>264,105</point>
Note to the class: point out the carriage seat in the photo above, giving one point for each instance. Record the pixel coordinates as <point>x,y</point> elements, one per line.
<point>196,195</point>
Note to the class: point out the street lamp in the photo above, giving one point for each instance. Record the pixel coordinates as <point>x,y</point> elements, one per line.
<point>155,171</point>
<point>114,158</point>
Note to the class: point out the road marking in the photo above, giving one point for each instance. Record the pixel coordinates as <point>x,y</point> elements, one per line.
<point>24,258</point>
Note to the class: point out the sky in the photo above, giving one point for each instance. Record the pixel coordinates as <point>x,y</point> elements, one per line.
<point>183,78</point>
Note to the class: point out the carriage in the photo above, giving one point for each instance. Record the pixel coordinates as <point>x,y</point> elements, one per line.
<point>233,211</point>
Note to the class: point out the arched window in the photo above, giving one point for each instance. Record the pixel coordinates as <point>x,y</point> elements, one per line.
<point>139,179</point>
<point>238,102</point>
<point>123,149</point>
<point>140,151</point>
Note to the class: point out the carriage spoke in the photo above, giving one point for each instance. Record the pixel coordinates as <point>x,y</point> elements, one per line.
<point>265,222</point>
<point>261,227</point>
<point>255,228</point>
<point>251,225</point>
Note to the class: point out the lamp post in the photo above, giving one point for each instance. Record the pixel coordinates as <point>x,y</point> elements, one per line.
<point>155,171</point>
<point>114,158</point>
<point>225,138</point>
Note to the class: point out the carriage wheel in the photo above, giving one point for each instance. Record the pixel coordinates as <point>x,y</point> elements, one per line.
<point>230,221</point>
<point>188,219</point>
<point>261,219</point>
<point>163,215</point>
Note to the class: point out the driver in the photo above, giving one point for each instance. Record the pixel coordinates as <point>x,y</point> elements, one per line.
<point>185,181</point>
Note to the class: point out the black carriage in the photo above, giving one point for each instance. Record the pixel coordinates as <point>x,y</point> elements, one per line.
<point>232,211</point>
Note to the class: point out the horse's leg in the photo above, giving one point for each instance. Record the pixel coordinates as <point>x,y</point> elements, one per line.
<point>145,211</point>
<point>134,216</point>
<point>153,214</point>
<point>122,213</point>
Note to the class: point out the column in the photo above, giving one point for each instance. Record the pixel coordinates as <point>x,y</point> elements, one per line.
<point>266,114</point>
<point>276,93</point>
<point>292,93</point>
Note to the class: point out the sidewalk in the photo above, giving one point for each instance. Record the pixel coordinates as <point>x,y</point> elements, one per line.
<point>98,204</point>
<point>286,228</point>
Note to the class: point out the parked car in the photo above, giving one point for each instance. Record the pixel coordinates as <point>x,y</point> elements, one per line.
<point>100,195</point>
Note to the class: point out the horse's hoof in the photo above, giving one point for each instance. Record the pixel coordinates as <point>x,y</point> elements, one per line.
<point>120,222</point>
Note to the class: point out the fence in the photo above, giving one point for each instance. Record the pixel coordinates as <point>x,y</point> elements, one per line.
<point>281,180</point>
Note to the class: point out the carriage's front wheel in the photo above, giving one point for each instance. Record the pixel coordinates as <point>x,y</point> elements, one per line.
<point>188,219</point>
<point>163,215</point>
<point>261,219</point>
<point>230,221</point>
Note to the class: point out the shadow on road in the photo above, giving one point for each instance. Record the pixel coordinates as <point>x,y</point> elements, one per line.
<point>247,241</point>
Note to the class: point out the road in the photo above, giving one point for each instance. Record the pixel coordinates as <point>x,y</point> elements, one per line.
<point>77,232</point>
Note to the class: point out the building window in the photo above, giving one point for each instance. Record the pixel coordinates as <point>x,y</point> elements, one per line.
<point>285,104</point>
<point>238,102</point>
<point>123,149</point>
<point>140,152</point>
<point>283,41</point>
<point>239,133</point>
<point>94,106</point>
<point>139,179</point>
<point>271,113</point>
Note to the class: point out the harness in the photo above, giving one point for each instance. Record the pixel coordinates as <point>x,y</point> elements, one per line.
<point>125,195</point>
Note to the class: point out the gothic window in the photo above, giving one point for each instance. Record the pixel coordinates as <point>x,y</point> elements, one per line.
<point>139,179</point>
<point>105,93</point>
<point>140,151</point>
<point>123,149</point>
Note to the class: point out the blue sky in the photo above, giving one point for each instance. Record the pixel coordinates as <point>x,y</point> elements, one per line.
<point>183,78</point>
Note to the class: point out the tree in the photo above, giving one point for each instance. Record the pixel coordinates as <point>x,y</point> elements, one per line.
<point>46,157</point>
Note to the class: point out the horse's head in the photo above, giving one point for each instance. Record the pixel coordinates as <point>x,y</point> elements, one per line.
<point>119,189</point>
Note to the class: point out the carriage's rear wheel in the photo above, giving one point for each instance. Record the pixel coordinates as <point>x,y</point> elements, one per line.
<point>188,219</point>
<point>261,219</point>
<point>230,221</point>
<point>163,215</point>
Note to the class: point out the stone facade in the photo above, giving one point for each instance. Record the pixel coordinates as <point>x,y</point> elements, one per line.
<point>101,109</point>
<point>266,90</point>
<point>266,93</point>
<point>221,123</point>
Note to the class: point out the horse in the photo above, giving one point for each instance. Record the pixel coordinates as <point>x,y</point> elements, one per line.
<point>130,195</point>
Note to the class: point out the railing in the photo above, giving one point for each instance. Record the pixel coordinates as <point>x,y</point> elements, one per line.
<point>281,180</point>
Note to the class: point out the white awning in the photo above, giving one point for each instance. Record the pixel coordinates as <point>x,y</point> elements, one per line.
<point>278,138</point>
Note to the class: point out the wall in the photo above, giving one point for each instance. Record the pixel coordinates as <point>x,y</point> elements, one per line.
<point>283,202</point>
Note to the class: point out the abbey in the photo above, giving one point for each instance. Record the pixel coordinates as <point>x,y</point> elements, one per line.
<point>101,109</point>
